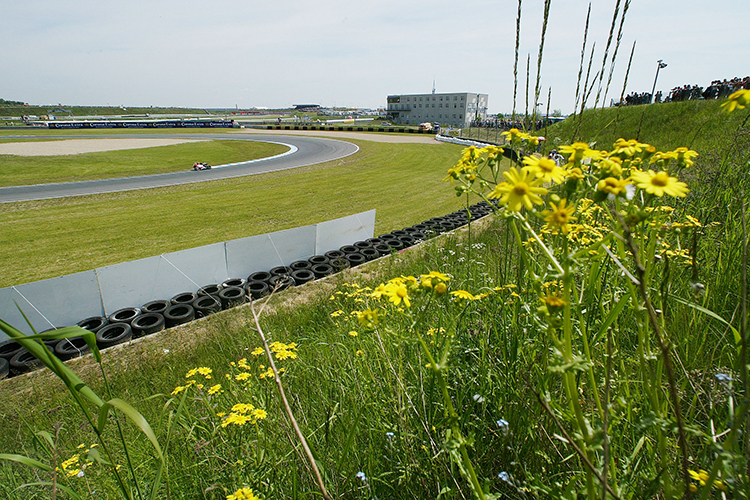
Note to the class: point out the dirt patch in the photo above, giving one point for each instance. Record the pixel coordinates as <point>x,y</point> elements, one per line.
<point>363,136</point>
<point>79,146</point>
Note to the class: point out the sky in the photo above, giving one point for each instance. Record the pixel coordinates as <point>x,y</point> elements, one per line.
<point>353,53</point>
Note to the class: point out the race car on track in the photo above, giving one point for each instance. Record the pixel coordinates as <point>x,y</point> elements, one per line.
<point>201,166</point>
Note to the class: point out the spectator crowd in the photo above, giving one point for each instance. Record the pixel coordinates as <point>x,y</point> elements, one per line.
<point>717,90</point>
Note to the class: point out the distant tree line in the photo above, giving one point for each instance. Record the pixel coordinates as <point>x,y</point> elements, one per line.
<point>3,102</point>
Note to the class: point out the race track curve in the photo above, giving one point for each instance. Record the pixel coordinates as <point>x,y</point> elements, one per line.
<point>303,151</point>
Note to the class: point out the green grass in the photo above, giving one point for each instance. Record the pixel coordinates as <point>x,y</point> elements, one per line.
<point>44,239</point>
<point>368,403</point>
<point>25,170</point>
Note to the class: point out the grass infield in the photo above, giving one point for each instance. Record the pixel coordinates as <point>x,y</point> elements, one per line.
<point>49,238</point>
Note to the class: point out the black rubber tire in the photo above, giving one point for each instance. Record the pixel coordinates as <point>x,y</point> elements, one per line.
<point>300,264</point>
<point>280,282</point>
<point>148,324</point>
<point>155,306</point>
<point>374,241</point>
<point>231,297</point>
<point>178,314</point>
<point>206,305</point>
<point>355,259</point>
<point>318,259</point>
<point>322,270</point>
<point>334,254</point>
<point>395,244</point>
<point>340,264</point>
<point>263,276</point>
<point>407,241</point>
<point>362,244</point>
<point>257,289</point>
<point>183,298</point>
<point>302,276</point>
<point>281,271</point>
<point>212,289</point>
<point>385,238</point>
<point>370,253</point>
<point>399,233</point>
<point>23,362</point>
<point>383,249</point>
<point>94,323</point>
<point>125,315</point>
<point>71,348</point>
<point>4,368</point>
<point>116,333</point>
<point>347,249</point>
<point>235,282</point>
<point>9,348</point>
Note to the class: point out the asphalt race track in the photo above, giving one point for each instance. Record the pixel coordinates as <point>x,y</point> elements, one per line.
<point>304,151</point>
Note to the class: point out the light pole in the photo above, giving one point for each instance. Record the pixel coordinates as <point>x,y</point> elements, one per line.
<point>659,65</point>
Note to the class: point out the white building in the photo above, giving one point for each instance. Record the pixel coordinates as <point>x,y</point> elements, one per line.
<point>457,110</point>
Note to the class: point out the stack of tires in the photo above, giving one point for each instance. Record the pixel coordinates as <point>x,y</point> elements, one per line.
<point>134,322</point>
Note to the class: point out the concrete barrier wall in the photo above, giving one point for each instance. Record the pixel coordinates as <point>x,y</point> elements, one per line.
<point>66,300</point>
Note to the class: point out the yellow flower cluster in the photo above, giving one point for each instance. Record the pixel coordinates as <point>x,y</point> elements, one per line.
<point>243,413</point>
<point>243,494</point>
<point>204,371</point>
<point>629,166</point>
<point>284,351</point>
<point>77,464</point>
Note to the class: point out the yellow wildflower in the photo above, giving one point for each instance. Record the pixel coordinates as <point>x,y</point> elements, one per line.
<point>441,288</point>
<point>659,183</point>
<point>368,318</point>
<point>519,191</point>
<point>214,389</point>
<point>243,494</point>
<point>738,99</point>
<point>544,168</point>
<point>242,376</point>
<point>559,217</point>
<point>353,333</point>
<point>396,293</point>
<point>577,151</point>
<point>612,185</point>
<point>462,294</point>
<point>257,351</point>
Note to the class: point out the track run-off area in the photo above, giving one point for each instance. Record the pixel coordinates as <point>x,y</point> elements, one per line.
<point>303,151</point>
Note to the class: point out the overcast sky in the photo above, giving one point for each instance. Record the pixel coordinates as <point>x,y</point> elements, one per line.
<point>226,53</point>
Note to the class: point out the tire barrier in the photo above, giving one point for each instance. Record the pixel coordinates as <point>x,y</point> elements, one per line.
<point>257,289</point>
<point>117,333</point>
<point>205,305</point>
<point>302,276</point>
<point>232,296</point>
<point>133,322</point>
<point>212,289</point>
<point>318,259</point>
<point>281,271</point>
<point>71,348</point>
<point>263,276</point>
<point>183,298</point>
<point>235,282</point>
<point>148,323</point>
<point>322,270</point>
<point>94,323</point>
<point>280,282</point>
<point>300,264</point>
<point>178,314</point>
<point>10,348</point>
<point>23,362</point>
<point>124,315</point>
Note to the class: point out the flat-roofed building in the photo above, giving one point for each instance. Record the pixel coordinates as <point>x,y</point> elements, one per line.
<point>455,109</point>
